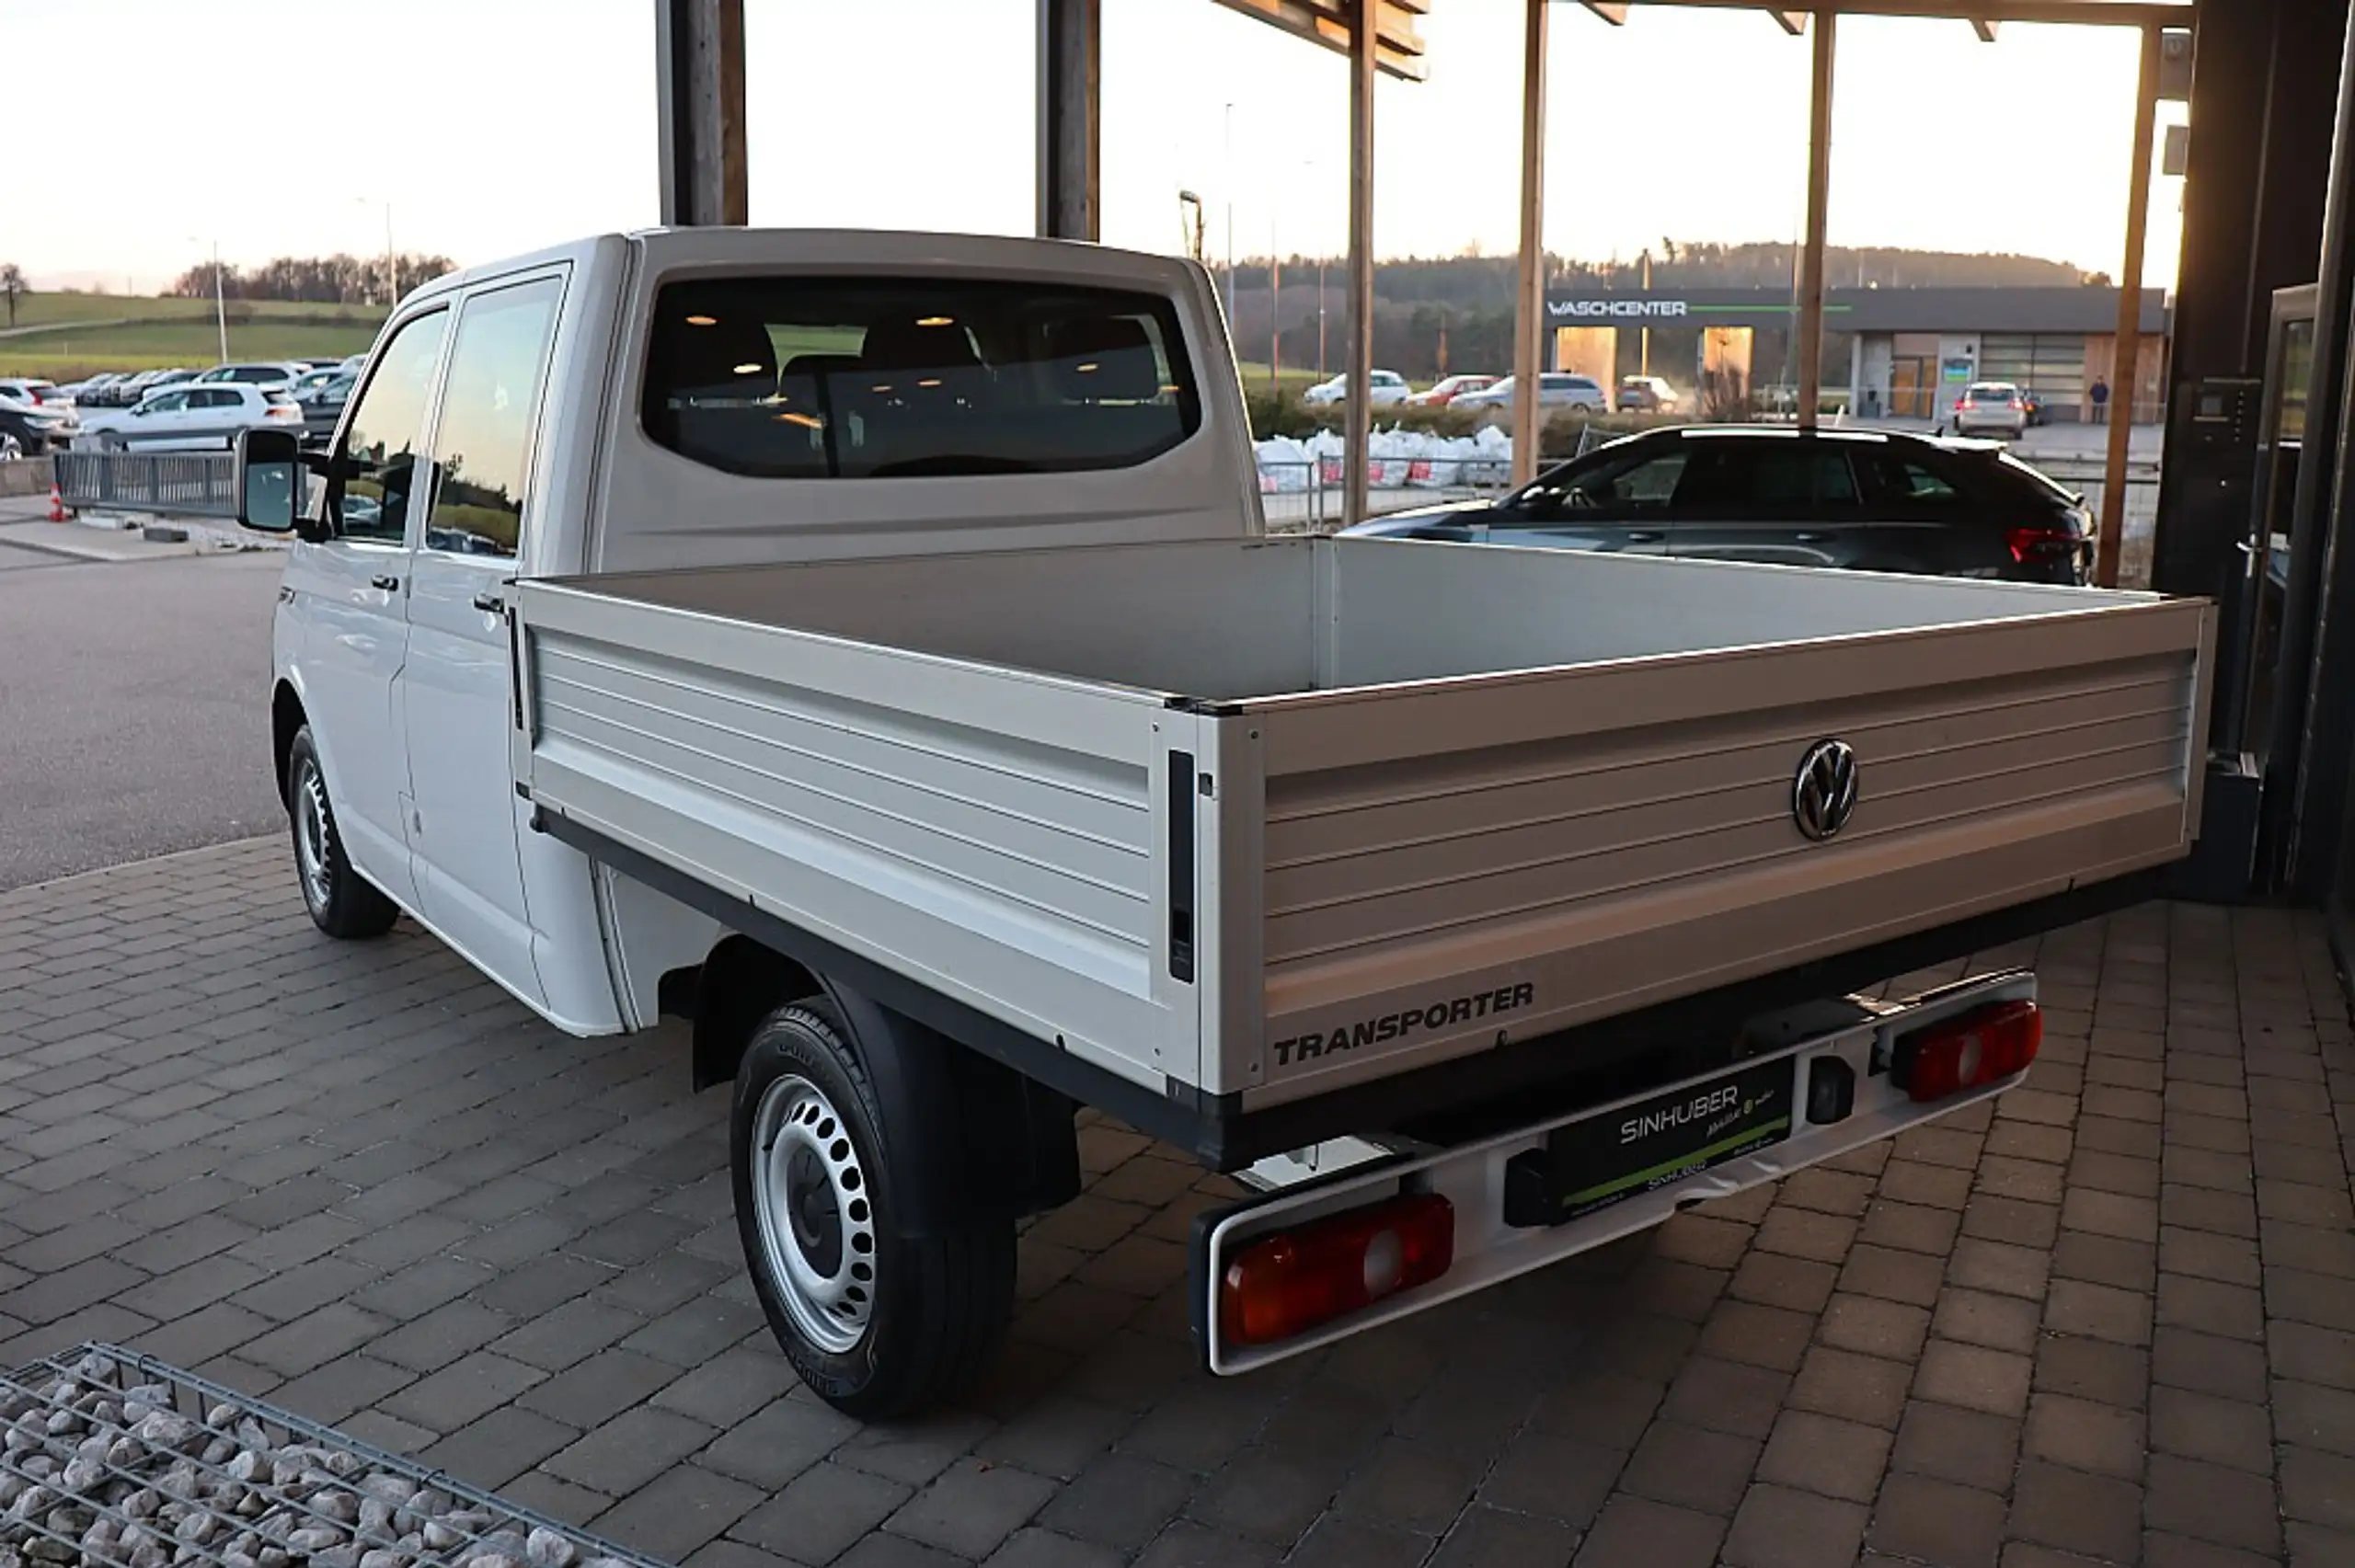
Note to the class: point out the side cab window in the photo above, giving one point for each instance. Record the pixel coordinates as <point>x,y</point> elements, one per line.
<point>378,459</point>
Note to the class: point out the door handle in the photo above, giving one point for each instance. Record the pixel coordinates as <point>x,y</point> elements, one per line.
<point>387,581</point>
<point>490,604</point>
<point>1814,538</point>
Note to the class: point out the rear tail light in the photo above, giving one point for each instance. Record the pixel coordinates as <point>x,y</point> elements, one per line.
<point>2038,543</point>
<point>1978,1046</point>
<point>1286,1284</point>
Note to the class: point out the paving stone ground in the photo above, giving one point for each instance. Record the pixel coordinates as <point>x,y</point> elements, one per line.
<point>2109,1319</point>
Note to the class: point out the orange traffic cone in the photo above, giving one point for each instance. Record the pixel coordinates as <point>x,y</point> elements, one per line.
<point>56,503</point>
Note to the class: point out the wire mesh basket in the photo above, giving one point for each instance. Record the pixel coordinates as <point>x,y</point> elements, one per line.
<point>114,1460</point>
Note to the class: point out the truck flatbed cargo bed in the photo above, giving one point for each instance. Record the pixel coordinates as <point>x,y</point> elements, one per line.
<point>1240,824</point>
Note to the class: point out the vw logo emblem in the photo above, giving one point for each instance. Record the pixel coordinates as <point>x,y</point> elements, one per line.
<point>1823,796</point>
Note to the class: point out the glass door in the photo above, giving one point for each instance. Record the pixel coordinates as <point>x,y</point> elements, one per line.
<point>2266,575</point>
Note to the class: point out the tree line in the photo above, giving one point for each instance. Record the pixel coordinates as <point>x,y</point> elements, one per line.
<point>326,280</point>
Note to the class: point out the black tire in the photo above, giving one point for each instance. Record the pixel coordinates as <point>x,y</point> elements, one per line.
<point>934,1310</point>
<point>342,903</point>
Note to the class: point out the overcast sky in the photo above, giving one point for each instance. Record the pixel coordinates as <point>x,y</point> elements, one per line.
<point>494,126</point>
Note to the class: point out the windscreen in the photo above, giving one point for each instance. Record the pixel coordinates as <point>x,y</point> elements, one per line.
<point>867,378</point>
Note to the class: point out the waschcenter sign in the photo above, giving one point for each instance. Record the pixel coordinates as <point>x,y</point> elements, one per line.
<point>1588,309</point>
<point>2090,312</point>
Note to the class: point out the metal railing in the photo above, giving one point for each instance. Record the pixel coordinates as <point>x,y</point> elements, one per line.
<point>190,483</point>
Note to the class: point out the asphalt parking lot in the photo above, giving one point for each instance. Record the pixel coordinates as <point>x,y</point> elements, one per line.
<point>2109,1319</point>
<point>133,716</point>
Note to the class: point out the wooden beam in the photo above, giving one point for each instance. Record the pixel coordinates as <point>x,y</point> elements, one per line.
<point>1328,23</point>
<point>1819,209</point>
<point>2095,13</point>
<point>1528,305</point>
<point>1357,410</point>
<point>1791,22</point>
<point>2126,363</point>
<point>1613,13</point>
<point>1985,27</point>
<point>699,58</point>
<point>1070,176</point>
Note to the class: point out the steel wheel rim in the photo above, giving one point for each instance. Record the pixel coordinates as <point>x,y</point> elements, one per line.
<point>811,1203</point>
<point>10,450</point>
<point>311,835</point>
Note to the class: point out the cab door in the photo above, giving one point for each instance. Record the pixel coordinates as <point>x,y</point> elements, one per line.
<point>456,693</point>
<point>346,594</point>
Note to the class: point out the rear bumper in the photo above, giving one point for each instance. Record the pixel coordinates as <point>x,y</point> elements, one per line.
<point>1476,1180</point>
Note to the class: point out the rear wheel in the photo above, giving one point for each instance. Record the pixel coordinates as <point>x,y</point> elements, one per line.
<point>342,903</point>
<point>11,450</point>
<point>877,1323</point>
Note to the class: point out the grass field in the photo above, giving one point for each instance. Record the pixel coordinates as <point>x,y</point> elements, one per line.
<point>1255,376</point>
<point>77,334</point>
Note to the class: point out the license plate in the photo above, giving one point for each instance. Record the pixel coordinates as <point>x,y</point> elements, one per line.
<point>1669,1138</point>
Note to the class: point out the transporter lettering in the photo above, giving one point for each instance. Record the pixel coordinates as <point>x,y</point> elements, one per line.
<point>1399,1025</point>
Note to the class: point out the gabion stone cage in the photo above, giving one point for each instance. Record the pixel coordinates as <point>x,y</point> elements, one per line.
<point>111,1459</point>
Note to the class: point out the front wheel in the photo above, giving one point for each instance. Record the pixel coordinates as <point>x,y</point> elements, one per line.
<point>877,1323</point>
<point>342,903</point>
<point>11,450</point>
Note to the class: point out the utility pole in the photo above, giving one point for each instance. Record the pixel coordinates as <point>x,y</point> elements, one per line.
<point>1645,338</point>
<point>1230,217</point>
<point>220,303</point>
<point>1275,308</point>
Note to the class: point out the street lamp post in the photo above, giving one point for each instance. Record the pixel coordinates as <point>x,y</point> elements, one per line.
<point>391,261</point>
<point>1230,217</point>
<point>219,300</point>
<point>220,303</point>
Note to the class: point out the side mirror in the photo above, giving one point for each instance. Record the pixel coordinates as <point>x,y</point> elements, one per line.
<point>269,481</point>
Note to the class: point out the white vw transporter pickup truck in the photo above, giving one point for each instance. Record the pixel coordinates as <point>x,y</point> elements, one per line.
<point>868,648</point>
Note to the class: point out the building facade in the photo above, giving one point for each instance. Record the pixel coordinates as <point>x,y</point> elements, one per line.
<point>1900,353</point>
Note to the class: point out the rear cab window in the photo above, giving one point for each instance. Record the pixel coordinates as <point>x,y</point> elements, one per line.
<point>863,378</point>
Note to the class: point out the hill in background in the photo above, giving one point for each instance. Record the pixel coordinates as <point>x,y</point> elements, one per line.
<point>67,336</point>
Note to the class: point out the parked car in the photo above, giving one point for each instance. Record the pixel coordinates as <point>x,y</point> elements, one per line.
<point>38,393</point>
<point>310,380</point>
<point>2036,412</point>
<point>1989,408</point>
<point>1556,389</point>
<point>92,388</point>
<point>1529,865</point>
<point>268,372</point>
<point>1648,395</point>
<point>1385,388</point>
<point>27,431</point>
<point>1864,500</point>
<point>194,418</point>
<point>322,406</point>
<point>1447,389</point>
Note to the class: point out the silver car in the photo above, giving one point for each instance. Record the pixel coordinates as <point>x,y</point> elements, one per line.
<point>1556,389</point>
<point>1991,407</point>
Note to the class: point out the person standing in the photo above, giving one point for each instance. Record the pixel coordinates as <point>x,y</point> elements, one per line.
<point>2100,394</point>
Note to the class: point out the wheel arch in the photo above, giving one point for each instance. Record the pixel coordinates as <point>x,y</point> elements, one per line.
<point>969,1137</point>
<point>286,716</point>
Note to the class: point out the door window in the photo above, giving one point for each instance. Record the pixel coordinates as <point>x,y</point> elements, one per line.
<point>1908,484</point>
<point>379,455</point>
<point>1644,482</point>
<point>170,403</point>
<point>1772,473</point>
<point>215,397</point>
<point>482,442</point>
